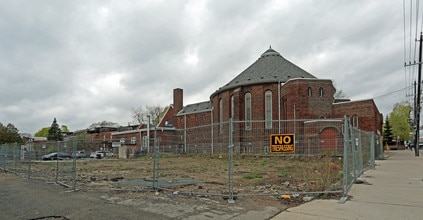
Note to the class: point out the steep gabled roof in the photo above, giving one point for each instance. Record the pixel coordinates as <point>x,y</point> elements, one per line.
<point>196,108</point>
<point>269,68</point>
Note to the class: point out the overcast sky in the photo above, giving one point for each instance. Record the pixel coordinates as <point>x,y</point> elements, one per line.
<point>90,61</point>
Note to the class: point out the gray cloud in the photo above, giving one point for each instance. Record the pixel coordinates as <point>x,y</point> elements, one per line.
<point>89,61</point>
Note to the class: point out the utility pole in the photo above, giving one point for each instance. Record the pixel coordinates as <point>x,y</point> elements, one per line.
<point>419,82</point>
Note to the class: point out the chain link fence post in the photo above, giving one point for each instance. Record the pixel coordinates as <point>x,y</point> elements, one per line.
<point>30,153</point>
<point>231,162</point>
<point>57,162</point>
<point>2,156</point>
<point>74,152</point>
<point>15,161</point>
<point>359,147</point>
<point>372,151</point>
<point>156,162</point>
<point>345,170</point>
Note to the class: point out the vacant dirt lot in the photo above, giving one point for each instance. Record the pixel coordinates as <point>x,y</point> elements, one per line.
<point>265,183</point>
<point>207,174</point>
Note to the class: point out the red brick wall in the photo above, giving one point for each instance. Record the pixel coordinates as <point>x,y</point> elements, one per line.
<point>178,99</point>
<point>171,112</point>
<point>369,117</point>
<point>257,102</point>
<point>295,96</point>
<point>128,136</point>
<point>101,136</point>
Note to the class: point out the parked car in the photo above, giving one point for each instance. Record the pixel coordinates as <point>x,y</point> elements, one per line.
<point>109,154</point>
<point>98,154</point>
<point>101,154</point>
<point>57,156</point>
<point>79,154</point>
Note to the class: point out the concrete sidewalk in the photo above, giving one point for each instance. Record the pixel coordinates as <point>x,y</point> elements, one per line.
<point>396,192</point>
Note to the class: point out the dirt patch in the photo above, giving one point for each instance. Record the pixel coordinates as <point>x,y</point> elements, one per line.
<point>258,180</point>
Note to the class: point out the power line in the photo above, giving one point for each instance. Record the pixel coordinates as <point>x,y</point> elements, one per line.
<point>390,93</point>
<point>412,14</point>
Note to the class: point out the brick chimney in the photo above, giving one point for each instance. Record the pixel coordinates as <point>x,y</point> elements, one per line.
<point>178,99</point>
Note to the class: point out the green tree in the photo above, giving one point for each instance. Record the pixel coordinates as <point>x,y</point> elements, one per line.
<point>65,128</point>
<point>43,132</point>
<point>387,132</point>
<point>55,133</point>
<point>399,121</point>
<point>9,134</point>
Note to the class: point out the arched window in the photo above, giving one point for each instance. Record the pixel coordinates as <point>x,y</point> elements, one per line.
<point>221,115</point>
<point>232,107</point>
<point>355,121</point>
<point>321,92</point>
<point>309,92</point>
<point>248,111</point>
<point>268,108</point>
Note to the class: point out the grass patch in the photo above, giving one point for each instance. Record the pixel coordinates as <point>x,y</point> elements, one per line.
<point>253,176</point>
<point>282,174</point>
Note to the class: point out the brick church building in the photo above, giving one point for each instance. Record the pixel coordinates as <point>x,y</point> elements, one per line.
<point>271,96</point>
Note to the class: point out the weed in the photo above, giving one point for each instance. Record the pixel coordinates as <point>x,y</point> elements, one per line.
<point>253,176</point>
<point>264,162</point>
<point>282,174</point>
<point>249,176</point>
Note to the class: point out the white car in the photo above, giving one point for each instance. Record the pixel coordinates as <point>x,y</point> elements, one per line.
<point>101,154</point>
<point>97,154</point>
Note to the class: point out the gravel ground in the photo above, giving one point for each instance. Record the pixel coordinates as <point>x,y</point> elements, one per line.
<point>115,189</point>
<point>34,199</point>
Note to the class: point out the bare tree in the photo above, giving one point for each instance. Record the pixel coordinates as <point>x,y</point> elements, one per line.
<point>140,115</point>
<point>339,94</point>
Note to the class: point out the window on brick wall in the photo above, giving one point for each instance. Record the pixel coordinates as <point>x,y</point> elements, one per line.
<point>268,108</point>
<point>309,92</point>
<point>248,111</point>
<point>122,140</point>
<point>220,115</point>
<point>232,107</point>
<point>355,121</point>
<point>321,92</point>
<point>133,140</point>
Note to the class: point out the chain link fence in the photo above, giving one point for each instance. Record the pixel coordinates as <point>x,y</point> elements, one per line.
<point>361,149</point>
<point>229,160</point>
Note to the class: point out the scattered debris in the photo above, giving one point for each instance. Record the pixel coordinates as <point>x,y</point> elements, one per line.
<point>307,198</point>
<point>115,179</point>
<point>286,197</point>
<point>362,181</point>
